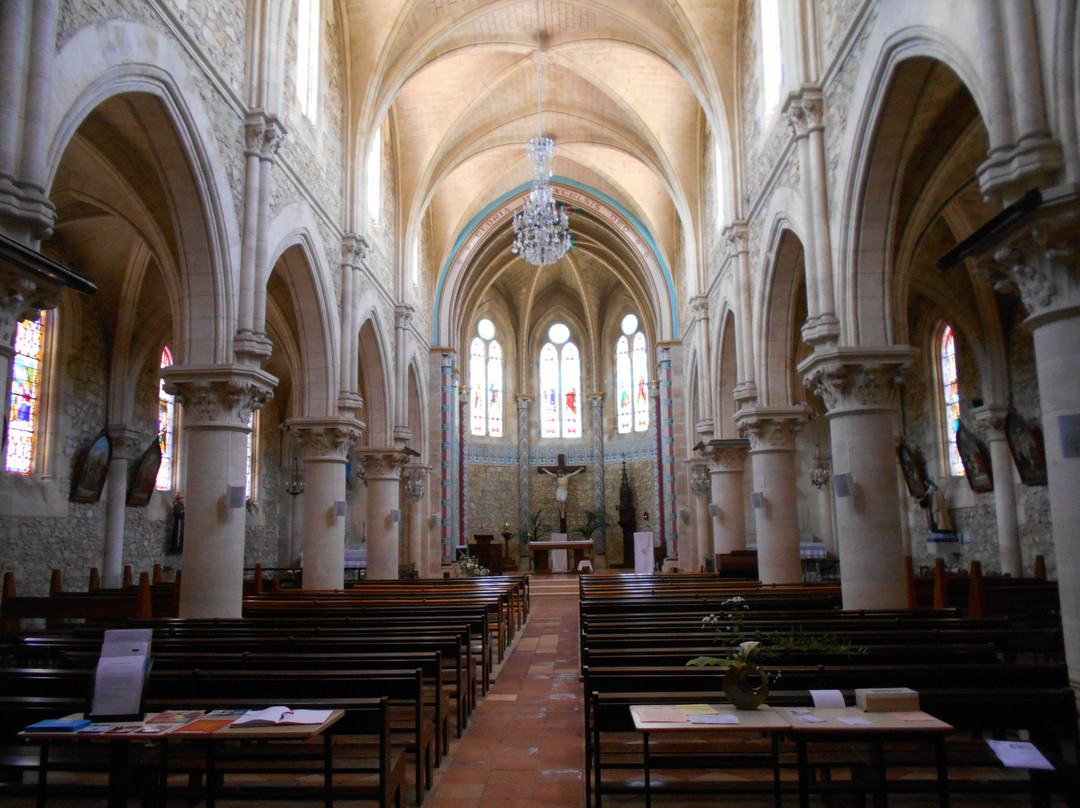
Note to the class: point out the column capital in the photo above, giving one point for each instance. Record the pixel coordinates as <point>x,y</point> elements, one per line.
<point>771,429</point>
<point>699,307</point>
<point>325,438</point>
<point>403,315</point>
<point>128,443</point>
<point>737,237</point>
<point>354,250</point>
<point>728,454</point>
<point>857,379</point>
<point>699,476</point>
<point>804,111</point>
<point>991,419</point>
<point>219,396</point>
<point>263,134</point>
<point>380,462</point>
<point>349,403</point>
<point>1039,261</point>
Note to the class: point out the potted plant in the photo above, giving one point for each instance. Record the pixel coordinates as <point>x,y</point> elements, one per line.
<point>594,521</point>
<point>537,528</point>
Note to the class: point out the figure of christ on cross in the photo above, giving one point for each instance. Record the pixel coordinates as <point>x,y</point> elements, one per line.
<point>561,474</point>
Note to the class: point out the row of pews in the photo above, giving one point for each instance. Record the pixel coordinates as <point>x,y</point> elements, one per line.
<point>1001,675</point>
<point>427,649</point>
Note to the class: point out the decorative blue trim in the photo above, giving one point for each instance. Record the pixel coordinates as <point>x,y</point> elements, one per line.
<point>586,189</point>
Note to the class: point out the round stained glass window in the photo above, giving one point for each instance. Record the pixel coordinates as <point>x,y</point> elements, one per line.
<point>486,329</point>
<point>629,324</point>
<point>559,333</point>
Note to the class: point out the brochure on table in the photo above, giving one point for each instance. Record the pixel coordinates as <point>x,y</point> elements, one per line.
<point>121,675</point>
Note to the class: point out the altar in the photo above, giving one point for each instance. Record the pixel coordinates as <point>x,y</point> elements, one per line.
<point>543,551</point>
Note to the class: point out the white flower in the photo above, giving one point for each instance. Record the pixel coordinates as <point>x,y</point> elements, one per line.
<point>748,647</point>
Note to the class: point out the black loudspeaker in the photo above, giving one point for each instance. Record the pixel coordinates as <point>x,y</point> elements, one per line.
<point>843,484</point>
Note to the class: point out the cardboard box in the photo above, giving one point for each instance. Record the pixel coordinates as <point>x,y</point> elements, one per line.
<point>886,699</point>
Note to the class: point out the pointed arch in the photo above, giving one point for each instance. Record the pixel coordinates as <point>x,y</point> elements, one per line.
<point>376,364</point>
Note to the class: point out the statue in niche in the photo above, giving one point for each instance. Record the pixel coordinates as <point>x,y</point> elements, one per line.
<point>176,540</point>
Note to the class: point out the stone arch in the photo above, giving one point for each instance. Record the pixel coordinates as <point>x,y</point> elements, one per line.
<point>866,304</point>
<point>726,375</point>
<point>299,253</point>
<point>376,364</point>
<point>777,328</point>
<point>110,60</point>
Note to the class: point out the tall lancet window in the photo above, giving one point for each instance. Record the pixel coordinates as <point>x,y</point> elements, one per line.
<point>166,431</point>
<point>486,380</point>
<point>632,378</point>
<point>772,59</point>
<point>374,177</point>
<point>307,57</point>
<point>950,398</point>
<point>22,424</point>
<point>560,385</point>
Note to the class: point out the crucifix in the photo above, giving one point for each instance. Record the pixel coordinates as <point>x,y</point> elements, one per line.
<point>561,473</point>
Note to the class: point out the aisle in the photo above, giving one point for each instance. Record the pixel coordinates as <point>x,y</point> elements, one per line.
<point>523,747</point>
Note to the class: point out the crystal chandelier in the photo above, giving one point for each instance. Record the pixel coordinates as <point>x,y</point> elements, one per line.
<point>541,228</point>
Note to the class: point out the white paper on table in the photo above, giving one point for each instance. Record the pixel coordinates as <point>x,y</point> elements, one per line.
<point>721,718</point>
<point>1020,755</point>
<point>856,721</point>
<point>810,718</point>
<point>824,699</point>
<point>118,685</point>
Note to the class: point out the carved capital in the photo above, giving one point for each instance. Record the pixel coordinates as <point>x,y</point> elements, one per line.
<point>273,136</point>
<point>737,238</point>
<point>403,315</point>
<point>254,131</point>
<point>325,438</point>
<point>699,307</point>
<point>771,429</point>
<point>699,479</point>
<point>804,115</point>
<point>127,443</point>
<point>990,419</point>
<point>218,396</point>
<point>354,250</point>
<point>381,463</point>
<point>728,455</point>
<point>857,379</point>
<point>1039,262</point>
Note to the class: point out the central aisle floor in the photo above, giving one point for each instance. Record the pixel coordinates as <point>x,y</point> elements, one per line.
<point>523,747</point>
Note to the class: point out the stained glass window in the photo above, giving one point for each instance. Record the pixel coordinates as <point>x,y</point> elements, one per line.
<point>951,398</point>
<point>640,358</point>
<point>560,385</point>
<point>25,394</point>
<point>623,386</point>
<point>772,70</point>
<point>631,378</point>
<point>486,382</point>
<point>249,475</point>
<point>549,391</point>
<point>495,391</point>
<point>477,374</point>
<point>374,177</point>
<point>307,57</point>
<point>166,413</point>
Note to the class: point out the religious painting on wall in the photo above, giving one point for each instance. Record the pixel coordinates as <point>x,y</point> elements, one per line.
<point>976,459</point>
<point>142,483</point>
<point>914,468</point>
<point>1026,444</point>
<point>91,468</point>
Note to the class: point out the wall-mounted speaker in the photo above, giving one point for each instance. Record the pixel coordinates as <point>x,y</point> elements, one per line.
<point>757,500</point>
<point>843,485</point>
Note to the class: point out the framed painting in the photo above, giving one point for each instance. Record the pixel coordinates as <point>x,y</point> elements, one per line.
<point>1027,448</point>
<point>976,459</point>
<point>914,469</point>
<point>91,468</point>
<point>141,488</point>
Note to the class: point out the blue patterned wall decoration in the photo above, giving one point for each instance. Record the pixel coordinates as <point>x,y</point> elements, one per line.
<point>494,455</point>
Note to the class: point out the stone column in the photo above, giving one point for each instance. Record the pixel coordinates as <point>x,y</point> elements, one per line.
<point>992,420</point>
<point>125,448</point>
<point>325,444</point>
<point>218,401</point>
<point>446,464</point>
<point>382,470</point>
<point>596,402</point>
<point>771,432</point>
<point>726,476</point>
<point>665,425</point>
<point>415,489</point>
<point>403,316</point>
<point>524,514</point>
<point>263,136</point>
<point>858,386</point>
<point>737,238</point>
<point>700,488</point>
<point>1040,262</point>
<point>804,117</point>
<point>296,523</point>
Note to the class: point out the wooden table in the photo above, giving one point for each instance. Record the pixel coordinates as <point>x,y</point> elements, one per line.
<point>762,721</point>
<point>577,549</point>
<point>120,747</point>
<point>880,729</point>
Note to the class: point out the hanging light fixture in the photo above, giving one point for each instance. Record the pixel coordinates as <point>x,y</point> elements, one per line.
<point>541,227</point>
